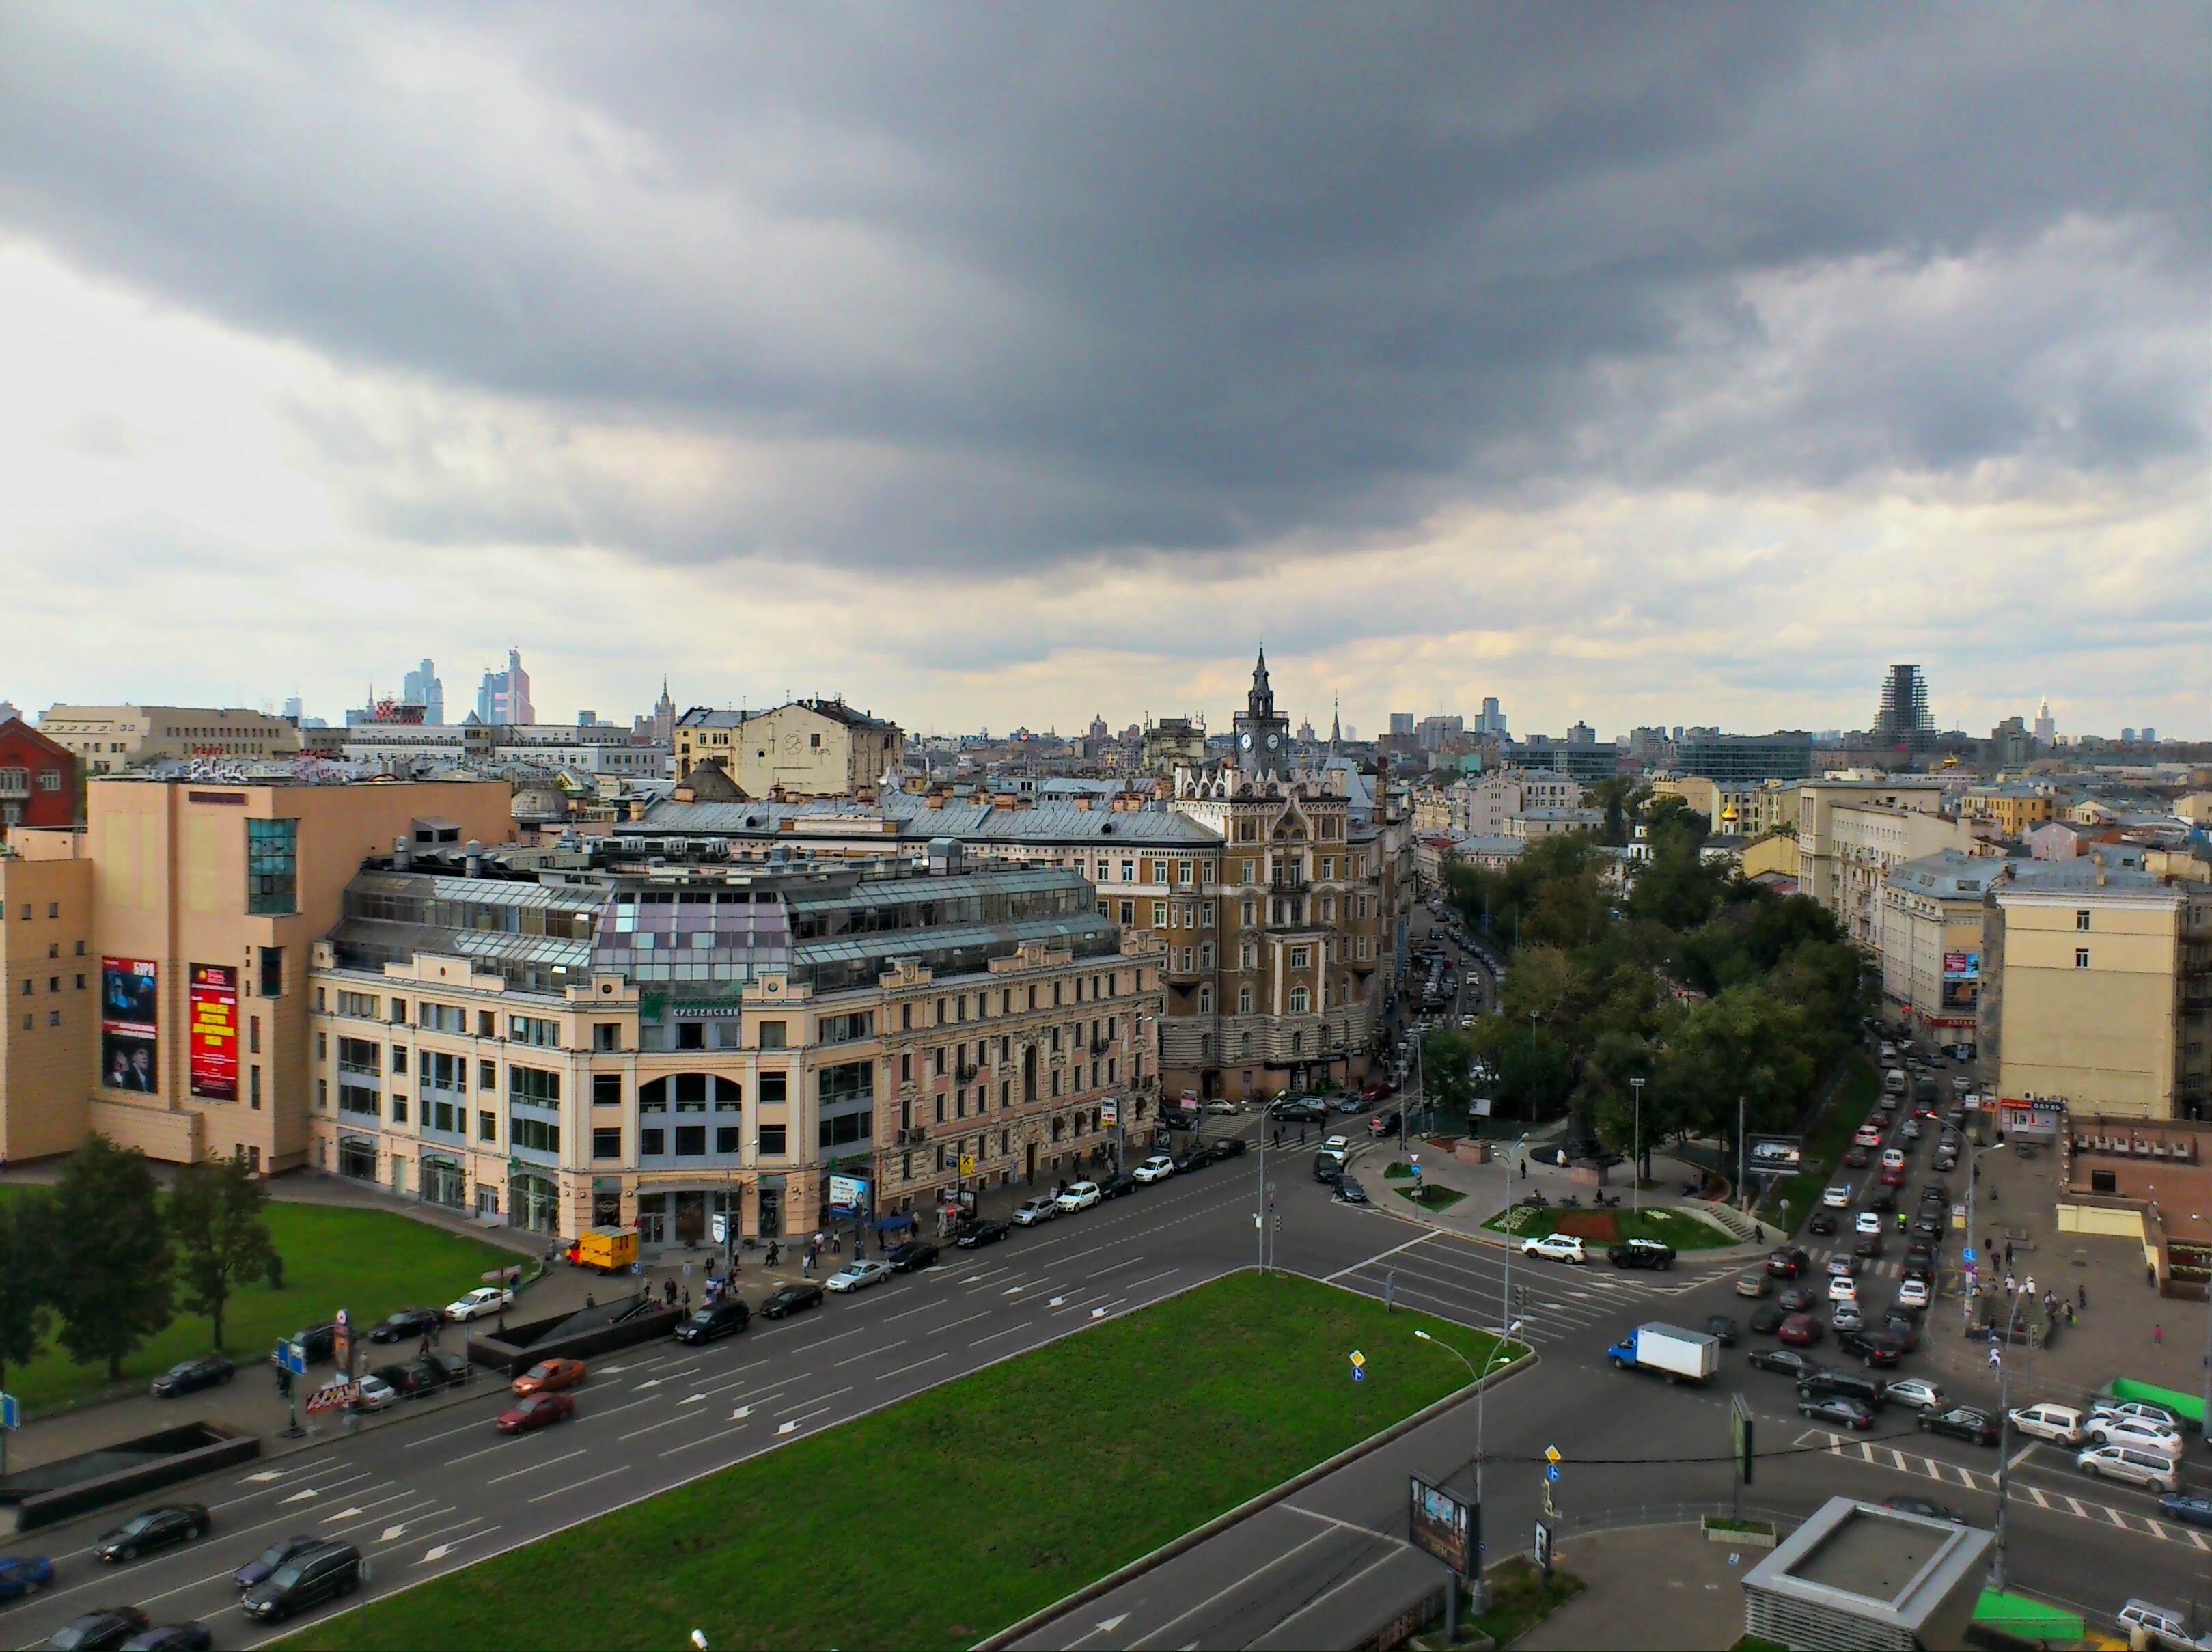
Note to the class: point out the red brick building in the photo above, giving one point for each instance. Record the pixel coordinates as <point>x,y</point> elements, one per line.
<point>37,779</point>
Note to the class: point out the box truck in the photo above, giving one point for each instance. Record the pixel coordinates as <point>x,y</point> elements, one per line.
<point>1679,1356</point>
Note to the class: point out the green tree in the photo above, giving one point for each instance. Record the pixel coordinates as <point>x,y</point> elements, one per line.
<point>1446,1053</point>
<point>1542,982</point>
<point>216,1213</point>
<point>113,1263</point>
<point>26,1276</point>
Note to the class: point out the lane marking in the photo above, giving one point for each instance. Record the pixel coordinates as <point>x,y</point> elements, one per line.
<point>1423,1239</point>
<point>810,1400</point>
<point>885,1377</point>
<point>516,1474</point>
<point>869,1354</point>
<point>994,1335</point>
<point>577,1486</point>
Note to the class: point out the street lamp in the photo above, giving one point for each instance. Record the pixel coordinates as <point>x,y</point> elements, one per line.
<point>1479,1585</point>
<point>2004,1443</point>
<point>1636,1153</point>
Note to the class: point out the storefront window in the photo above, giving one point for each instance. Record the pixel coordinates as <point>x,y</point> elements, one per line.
<point>534,1201</point>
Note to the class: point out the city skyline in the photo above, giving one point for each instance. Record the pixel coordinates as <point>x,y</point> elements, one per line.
<point>1646,385</point>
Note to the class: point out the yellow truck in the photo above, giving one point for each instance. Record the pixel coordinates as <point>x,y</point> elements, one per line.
<point>610,1250</point>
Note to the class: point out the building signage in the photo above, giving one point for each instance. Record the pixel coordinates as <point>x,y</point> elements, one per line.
<point>1962,966</point>
<point>1444,1524</point>
<point>213,1032</point>
<point>1109,1111</point>
<point>129,1047</point>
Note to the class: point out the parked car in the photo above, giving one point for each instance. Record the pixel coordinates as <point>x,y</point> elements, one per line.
<point>1966,1423</point>
<point>719,1319</point>
<point>373,1392</point>
<point>1784,1361</point>
<point>2139,1433</point>
<point>551,1376</point>
<point>979,1234</point>
<point>2133,1465</point>
<point>858,1276</point>
<point>1800,1330</point>
<point>322,1574</point>
<point>2187,1507</point>
<point>1924,1508</point>
<point>440,1370</point>
<point>1836,1408</point>
<point>1040,1207</point>
<point>405,1379</point>
<point>22,1575</point>
<point>407,1324</point>
<point>914,1254</point>
<point>2141,1409</point>
<point>484,1301</point>
<point>99,1631</point>
<point>1078,1196</point>
<point>151,1529</point>
<point>539,1411</point>
<point>171,1638</point>
<point>1223,1147</point>
<point>191,1374</point>
<point>1120,1186</point>
<point>2164,1627</point>
<point>264,1564</point>
<point>786,1299</point>
<point>1555,1247</point>
<point>1157,1168</point>
<point>1642,1253</point>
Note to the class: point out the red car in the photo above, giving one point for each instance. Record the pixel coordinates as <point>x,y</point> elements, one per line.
<point>1375,1093</point>
<point>1892,1176</point>
<point>549,1376</point>
<point>536,1412</point>
<point>1801,1329</point>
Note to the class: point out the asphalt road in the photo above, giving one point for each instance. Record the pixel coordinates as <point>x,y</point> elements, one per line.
<point>430,1495</point>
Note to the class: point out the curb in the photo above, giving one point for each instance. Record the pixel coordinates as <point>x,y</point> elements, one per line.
<point>1221,1522</point>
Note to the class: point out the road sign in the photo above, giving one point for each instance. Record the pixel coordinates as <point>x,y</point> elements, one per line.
<point>967,1164</point>
<point>1967,1255</point>
<point>291,1356</point>
<point>1552,1472</point>
<point>1359,1375</point>
<point>11,1413</point>
<point>1552,1455</point>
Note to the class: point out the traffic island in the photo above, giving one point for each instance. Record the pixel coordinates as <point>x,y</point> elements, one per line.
<point>129,1468</point>
<point>588,1332</point>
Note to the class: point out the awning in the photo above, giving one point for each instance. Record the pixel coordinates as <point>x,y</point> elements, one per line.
<point>2025,1619</point>
<point>892,1223</point>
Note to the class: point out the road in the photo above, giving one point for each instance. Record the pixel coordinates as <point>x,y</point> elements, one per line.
<point>429,1496</point>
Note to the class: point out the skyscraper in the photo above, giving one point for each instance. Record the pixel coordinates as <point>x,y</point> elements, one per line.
<point>2046,726</point>
<point>423,687</point>
<point>504,696</point>
<point>1904,720</point>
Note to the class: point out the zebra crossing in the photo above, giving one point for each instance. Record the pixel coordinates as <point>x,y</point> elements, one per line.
<point>1463,1281</point>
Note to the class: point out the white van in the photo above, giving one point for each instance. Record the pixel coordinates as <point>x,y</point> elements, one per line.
<point>1895,1081</point>
<point>1888,1052</point>
<point>2136,1466</point>
<point>2048,1422</point>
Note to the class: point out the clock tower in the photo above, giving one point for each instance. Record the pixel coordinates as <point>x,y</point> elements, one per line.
<point>1263,739</point>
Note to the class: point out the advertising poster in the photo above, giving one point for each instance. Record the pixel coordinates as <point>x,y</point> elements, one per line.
<point>129,1001</point>
<point>1775,1155</point>
<point>213,1043</point>
<point>1443,1525</point>
<point>848,1194</point>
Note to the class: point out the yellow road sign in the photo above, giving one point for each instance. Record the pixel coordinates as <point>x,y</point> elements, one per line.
<point>967,1164</point>
<point>1358,1358</point>
<point>1551,1454</point>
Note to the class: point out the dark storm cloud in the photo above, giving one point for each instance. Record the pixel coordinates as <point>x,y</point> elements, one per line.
<point>996,287</point>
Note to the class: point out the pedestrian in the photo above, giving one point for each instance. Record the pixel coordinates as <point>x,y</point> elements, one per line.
<point>2069,1313</point>
<point>2150,1274</point>
<point>2084,1290</point>
<point>2008,1252</point>
<point>2158,1334</point>
<point>2031,1284</point>
<point>687,1299</point>
<point>2008,1286</point>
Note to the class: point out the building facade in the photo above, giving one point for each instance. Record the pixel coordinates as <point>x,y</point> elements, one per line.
<point>50,979</point>
<point>808,748</point>
<point>37,779</point>
<point>1843,856</point>
<point>727,1040</point>
<point>1930,936</point>
<point>1742,761</point>
<point>108,740</point>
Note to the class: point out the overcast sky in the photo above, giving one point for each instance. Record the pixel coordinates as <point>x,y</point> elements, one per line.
<point>1005,363</point>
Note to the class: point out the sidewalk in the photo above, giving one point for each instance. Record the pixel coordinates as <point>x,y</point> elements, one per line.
<point>1655,1586</point>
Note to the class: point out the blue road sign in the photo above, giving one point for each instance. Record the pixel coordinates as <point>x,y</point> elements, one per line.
<point>291,1356</point>
<point>1552,1472</point>
<point>1967,1254</point>
<point>11,1414</point>
<point>1358,1373</point>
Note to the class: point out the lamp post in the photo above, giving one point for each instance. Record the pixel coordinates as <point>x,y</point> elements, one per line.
<point>1636,1155</point>
<point>2004,1443</point>
<point>1479,1585</point>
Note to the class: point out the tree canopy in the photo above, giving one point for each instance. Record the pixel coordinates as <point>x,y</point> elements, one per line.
<point>114,1266</point>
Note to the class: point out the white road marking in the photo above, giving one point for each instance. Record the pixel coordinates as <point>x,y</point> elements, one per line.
<point>301,1497</point>
<point>579,1485</point>
<point>813,1399</point>
<point>549,1462</point>
<point>871,1353</point>
<point>885,1377</point>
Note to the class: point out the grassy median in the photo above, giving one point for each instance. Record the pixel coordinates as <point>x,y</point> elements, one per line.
<point>368,1262</point>
<point>938,1520</point>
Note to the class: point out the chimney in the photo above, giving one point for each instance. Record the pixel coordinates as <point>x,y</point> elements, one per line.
<point>402,854</point>
<point>473,860</point>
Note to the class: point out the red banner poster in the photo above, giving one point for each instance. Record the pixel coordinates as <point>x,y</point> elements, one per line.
<point>213,1032</point>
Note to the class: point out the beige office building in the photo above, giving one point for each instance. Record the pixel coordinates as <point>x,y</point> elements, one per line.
<point>108,740</point>
<point>808,748</point>
<point>50,974</point>
<point>1852,833</point>
<point>1930,934</point>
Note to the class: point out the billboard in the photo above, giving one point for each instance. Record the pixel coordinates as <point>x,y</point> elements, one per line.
<point>1109,1111</point>
<point>212,1033</point>
<point>1962,966</point>
<point>129,1047</point>
<point>1445,1525</point>
<point>1774,1155</point>
<point>848,1194</point>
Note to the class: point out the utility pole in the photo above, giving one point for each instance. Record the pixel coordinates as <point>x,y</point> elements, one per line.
<point>2004,1441</point>
<point>1260,1198</point>
<point>1636,1158</point>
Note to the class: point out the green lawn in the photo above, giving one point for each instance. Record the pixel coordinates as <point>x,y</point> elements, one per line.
<point>1432,1197</point>
<point>1676,1228</point>
<point>368,1262</point>
<point>1830,1136</point>
<point>939,1521</point>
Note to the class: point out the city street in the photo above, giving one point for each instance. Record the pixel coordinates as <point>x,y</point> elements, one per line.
<point>437,1493</point>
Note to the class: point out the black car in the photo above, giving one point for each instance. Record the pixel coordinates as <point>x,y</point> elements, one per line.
<point>1897,1324</point>
<point>920,1253</point>
<point>157,1528</point>
<point>259,1569</point>
<point>1835,1408</point>
<point>792,1298</point>
<point>1869,1391</point>
<point>1349,1192</point>
<point>1327,1167</point>
<point>406,1381</point>
<point>1962,1423</point>
<point>1721,1327</point>
<point>97,1631</point>
<point>1788,1263</point>
<point>727,1317</point>
<point>980,1233</point>
<point>1197,1159</point>
<point>1875,1347</point>
<point>1785,1362</point>
<point>1925,1510</point>
<point>436,1370</point>
<point>1823,1223</point>
<point>1227,1147</point>
<point>324,1573</point>
<point>1800,1298</point>
<point>318,1343</point>
<point>1866,1244</point>
<point>171,1638</point>
<point>1766,1319</point>
<point>406,1323</point>
<point>1118,1187</point>
<point>1883,1202</point>
<point>1642,1253</point>
<point>192,1374</point>
<point>1928,1227</point>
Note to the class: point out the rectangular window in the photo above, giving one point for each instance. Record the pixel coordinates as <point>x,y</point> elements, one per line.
<point>536,1032</point>
<point>771,1141</point>
<point>361,1055</point>
<point>652,1143</point>
<point>272,972</point>
<point>690,1034</point>
<point>845,1083</point>
<point>360,1004</point>
<point>399,1109</point>
<point>844,1028</point>
<point>606,1090</point>
<point>487,1024</point>
<point>2081,920</point>
<point>771,1036</point>
<point>400,1058</point>
<point>255,1083</point>
<point>2080,957</point>
<point>441,1018</point>
<point>725,1138</point>
<point>538,1135</point>
<point>272,866</point>
<point>1160,915</point>
<point>846,1129</point>
<point>607,1142</point>
<point>775,1087</point>
<point>691,1140</point>
<point>398,1011</point>
<point>487,1126</point>
<point>533,1087</point>
<point>359,1098</point>
<point>487,1075</point>
<point>1301,957</point>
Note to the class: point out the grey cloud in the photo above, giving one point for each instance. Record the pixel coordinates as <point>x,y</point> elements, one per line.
<point>1011,286</point>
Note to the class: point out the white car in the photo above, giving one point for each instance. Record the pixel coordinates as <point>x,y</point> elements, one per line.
<point>2135,1433</point>
<point>1079,1197</point>
<point>2143,1468</point>
<point>2141,1411</point>
<point>1555,1247</point>
<point>1892,1158</point>
<point>2047,1421</point>
<point>374,1393</point>
<point>1843,1288</point>
<point>1837,1197</point>
<point>857,1276</point>
<point>1914,1391</point>
<point>1158,1167</point>
<point>484,1299</point>
<point>1913,1293</point>
<point>1339,1145</point>
<point>1868,1222</point>
<point>1031,1211</point>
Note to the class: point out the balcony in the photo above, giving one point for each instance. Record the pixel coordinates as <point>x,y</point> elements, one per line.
<point>1288,882</point>
<point>966,1074</point>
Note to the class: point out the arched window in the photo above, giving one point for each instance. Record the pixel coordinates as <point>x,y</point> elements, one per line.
<point>1206,1001</point>
<point>1300,1000</point>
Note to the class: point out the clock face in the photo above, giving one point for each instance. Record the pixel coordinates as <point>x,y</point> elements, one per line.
<point>1271,743</point>
<point>1248,743</point>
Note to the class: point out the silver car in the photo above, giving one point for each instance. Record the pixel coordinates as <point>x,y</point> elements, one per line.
<point>1031,1211</point>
